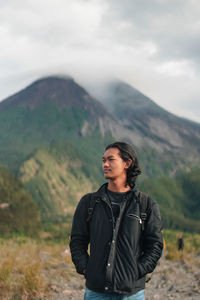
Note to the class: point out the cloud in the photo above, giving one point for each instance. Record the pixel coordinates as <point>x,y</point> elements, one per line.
<point>173,26</point>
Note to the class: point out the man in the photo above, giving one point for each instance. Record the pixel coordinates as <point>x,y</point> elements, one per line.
<point>180,242</point>
<point>121,252</point>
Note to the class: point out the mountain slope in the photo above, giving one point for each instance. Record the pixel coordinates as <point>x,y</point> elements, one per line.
<point>50,110</point>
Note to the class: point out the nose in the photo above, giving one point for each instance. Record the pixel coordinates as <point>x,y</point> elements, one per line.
<point>105,163</point>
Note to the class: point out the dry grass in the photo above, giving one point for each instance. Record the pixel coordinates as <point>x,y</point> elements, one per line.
<point>191,245</point>
<point>173,254</point>
<point>27,268</point>
<point>31,270</point>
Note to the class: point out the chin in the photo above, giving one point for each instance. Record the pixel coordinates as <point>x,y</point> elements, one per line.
<point>106,176</point>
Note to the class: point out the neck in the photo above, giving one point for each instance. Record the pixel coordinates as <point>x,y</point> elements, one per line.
<point>117,186</point>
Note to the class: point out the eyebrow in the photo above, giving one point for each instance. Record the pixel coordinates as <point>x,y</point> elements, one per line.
<point>111,156</point>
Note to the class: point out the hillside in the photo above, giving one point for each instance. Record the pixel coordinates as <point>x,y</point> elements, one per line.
<point>179,199</point>
<point>57,176</point>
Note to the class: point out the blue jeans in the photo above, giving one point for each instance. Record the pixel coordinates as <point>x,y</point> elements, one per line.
<point>91,295</point>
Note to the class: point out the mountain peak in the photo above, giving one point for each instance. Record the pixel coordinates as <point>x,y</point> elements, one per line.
<point>120,93</point>
<point>62,91</point>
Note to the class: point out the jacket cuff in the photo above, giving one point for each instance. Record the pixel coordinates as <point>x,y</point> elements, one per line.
<point>81,265</point>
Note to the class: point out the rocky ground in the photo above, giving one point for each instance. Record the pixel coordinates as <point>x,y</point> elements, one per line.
<point>170,280</point>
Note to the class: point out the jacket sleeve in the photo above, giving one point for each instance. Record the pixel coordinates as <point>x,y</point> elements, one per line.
<point>152,240</point>
<point>80,236</point>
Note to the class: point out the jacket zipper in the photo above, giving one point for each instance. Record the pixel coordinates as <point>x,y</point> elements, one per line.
<point>111,258</point>
<point>136,217</point>
<point>110,263</point>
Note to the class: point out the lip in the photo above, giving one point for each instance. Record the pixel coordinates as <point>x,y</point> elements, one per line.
<point>106,170</point>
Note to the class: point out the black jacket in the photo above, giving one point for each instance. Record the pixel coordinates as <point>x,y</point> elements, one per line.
<point>119,257</point>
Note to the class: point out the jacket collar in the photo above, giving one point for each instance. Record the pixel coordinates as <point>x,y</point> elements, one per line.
<point>101,192</point>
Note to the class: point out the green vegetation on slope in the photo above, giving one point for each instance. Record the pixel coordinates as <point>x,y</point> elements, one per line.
<point>18,212</point>
<point>190,183</point>
<point>23,130</point>
<point>154,164</point>
<point>178,199</point>
<point>57,176</point>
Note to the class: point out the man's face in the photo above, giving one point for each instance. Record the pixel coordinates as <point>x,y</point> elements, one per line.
<point>113,165</point>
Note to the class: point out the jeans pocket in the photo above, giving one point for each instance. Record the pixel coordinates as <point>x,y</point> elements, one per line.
<point>91,295</point>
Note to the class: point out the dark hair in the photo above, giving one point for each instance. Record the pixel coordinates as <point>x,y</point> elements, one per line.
<point>126,152</point>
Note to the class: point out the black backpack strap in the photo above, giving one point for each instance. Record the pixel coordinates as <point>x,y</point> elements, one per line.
<point>92,203</point>
<point>143,198</point>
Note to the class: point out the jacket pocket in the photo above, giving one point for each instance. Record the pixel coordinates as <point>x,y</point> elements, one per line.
<point>133,216</point>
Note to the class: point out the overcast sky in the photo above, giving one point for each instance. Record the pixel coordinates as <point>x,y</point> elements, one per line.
<point>154,45</point>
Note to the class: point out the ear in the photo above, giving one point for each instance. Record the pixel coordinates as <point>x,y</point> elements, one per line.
<point>128,163</point>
